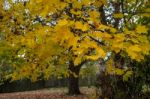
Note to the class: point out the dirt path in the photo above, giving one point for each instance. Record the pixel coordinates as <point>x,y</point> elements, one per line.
<point>53,93</point>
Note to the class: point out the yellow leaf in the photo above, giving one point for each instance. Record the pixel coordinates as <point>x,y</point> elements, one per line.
<point>146,14</point>
<point>106,36</point>
<point>72,41</point>
<point>133,55</point>
<point>85,27</point>
<point>113,30</point>
<point>109,69</point>
<point>147,10</point>
<point>117,47</point>
<point>62,5</point>
<point>80,25</point>
<point>77,4</point>
<point>135,52</point>
<point>98,3</point>
<point>102,27</point>
<point>73,11</point>
<point>94,14</point>
<point>146,48</point>
<point>119,71</point>
<point>45,11</point>
<point>101,52</point>
<point>62,22</point>
<point>119,38</point>
<point>118,15</point>
<point>30,42</point>
<point>135,48</point>
<point>77,60</point>
<point>127,75</point>
<point>141,29</point>
<point>93,57</point>
<point>86,2</point>
<point>104,2</point>
<point>14,76</point>
<point>112,70</point>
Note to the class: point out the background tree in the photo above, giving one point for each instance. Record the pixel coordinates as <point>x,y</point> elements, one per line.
<point>125,14</point>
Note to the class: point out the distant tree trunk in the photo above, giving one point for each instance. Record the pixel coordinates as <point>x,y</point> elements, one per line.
<point>73,80</point>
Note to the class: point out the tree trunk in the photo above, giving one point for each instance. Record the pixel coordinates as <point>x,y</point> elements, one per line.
<point>73,86</point>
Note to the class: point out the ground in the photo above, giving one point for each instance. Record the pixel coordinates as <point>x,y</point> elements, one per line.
<point>52,93</point>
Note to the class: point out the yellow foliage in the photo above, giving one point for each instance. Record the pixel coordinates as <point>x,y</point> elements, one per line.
<point>145,48</point>
<point>118,15</point>
<point>62,22</point>
<point>118,71</point>
<point>106,36</point>
<point>99,3</point>
<point>111,69</point>
<point>94,15</point>
<point>119,37</point>
<point>14,76</point>
<point>73,11</point>
<point>135,48</point>
<point>93,57</point>
<point>86,2</point>
<point>101,52</point>
<point>113,30</point>
<point>77,4</point>
<point>146,14</point>
<point>77,60</point>
<point>147,9</point>
<point>117,47</point>
<point>127,75</point>
<point>134,52</point>
<point>141,29</point>
<point>103,27</point>
<point>80,25</point>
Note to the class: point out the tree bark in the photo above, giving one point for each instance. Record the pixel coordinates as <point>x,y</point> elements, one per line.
<point>102,15</point>
<point>73,85</point>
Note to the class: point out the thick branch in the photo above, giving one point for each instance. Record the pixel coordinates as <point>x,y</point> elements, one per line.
<point>103,17</point>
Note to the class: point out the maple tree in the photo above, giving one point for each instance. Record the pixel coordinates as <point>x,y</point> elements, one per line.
<point>56,37</point>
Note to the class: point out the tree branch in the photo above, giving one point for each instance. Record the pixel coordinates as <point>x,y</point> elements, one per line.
<point>100,43</point>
